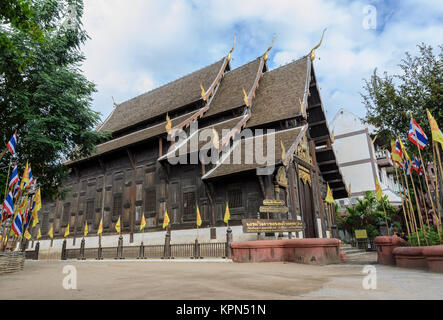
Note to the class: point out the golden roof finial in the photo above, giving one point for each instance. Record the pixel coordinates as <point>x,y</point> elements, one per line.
<point>168,125</point>
<point>265,56</point>
<point>245,98</point>
<point>233,46</point>
<point>203,93</point>
<point>318,45</point>
<point>302,110</point>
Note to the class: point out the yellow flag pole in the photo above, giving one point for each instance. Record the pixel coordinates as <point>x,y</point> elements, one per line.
<point>420,217</point>
<point>438,158</point>
<point>412,208</point>
<point>437,194</point>
<point>402,203</point>
<point>426,179</point>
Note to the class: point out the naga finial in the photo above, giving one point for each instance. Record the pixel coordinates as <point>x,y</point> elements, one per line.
<point>265,56</point>
<point>203,93</point>
<point>233,46</point>
<point>113,102</point>
<point>318,45</point>
<point>245,98</point>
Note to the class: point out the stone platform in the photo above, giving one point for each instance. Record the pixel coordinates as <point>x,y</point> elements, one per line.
<point>316,251</point>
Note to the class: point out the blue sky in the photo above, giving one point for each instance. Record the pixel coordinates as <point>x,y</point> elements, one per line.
<point>139,45</point>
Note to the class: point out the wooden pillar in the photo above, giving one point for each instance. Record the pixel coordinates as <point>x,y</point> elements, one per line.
<point>132,193</point>
<point>317,184</point>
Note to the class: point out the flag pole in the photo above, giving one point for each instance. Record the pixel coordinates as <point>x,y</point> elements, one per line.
<point>426,178</point>
<point>412,208</point>
<point>402,203</point>
<point>7,178</point>
<point>435,150</point>
<point>424,198</point>
<point>420,217</point>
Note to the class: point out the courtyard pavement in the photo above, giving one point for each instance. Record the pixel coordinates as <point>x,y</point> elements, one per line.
<point>211,279</point>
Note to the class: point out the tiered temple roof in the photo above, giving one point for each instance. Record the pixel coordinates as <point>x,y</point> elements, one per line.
<point>249,96</point>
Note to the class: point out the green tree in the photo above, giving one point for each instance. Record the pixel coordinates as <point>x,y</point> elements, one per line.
<point>48,101</point>
<point>389,99</point>
<point>367,214</point>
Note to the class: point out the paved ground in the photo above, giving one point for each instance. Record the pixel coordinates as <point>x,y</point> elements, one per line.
<point>215,280</point>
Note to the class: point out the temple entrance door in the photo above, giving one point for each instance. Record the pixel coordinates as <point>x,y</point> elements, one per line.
<point>307,208</point>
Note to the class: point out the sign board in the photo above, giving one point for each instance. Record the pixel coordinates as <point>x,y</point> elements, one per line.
<point>273,209</point>
<point>271,225</point>
<point>361,234</point>
<point>270,202</point>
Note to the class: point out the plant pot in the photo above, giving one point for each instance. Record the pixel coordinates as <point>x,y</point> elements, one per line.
<point>410,257</point>
<point>434,258</point>
<point>385,246</point>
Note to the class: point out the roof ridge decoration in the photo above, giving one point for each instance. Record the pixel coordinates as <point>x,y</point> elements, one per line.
<point>312,54</point>
<point>247,98</point>
<point>207,95</point>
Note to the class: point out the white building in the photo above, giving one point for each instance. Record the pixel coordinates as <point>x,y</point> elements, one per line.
<point>361,162</point>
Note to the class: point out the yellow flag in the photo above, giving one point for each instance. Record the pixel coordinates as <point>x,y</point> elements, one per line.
<point>27,235</point>
<point>329,197</point>
<point>378,191</point>
<point>25,179</point>
<point>437,136</point>
<point>227,214</point>
<point>6,239</point>
<point>51,232</point>
<point>199,219</point>
<point>283,152</point>
<point>395,156</point>
<point>22,205</point>
<point>67,231</point>
<point>39,234</point>
<point>86,229</point>
<point>215,139</point>
<point>142,223</point>
<point>35,218</point>
<point>168,125</point>
<point>166,220</point>
<point>100,227</point>
<point>403,149</point>
<point>117,225</point>
<point>38,200</point>
<point>11,233</point>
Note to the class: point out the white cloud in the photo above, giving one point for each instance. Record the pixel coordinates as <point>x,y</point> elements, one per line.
<point>137,45</point>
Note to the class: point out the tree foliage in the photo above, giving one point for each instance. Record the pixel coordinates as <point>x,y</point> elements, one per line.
<point>389,99</point>
<point>47,99</point>
<point>366,214</point>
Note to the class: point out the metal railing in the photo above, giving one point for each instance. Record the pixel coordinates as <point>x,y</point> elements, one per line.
<point>184,250</point>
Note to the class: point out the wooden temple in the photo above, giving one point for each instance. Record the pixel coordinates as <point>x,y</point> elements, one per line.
<point>130,174</point>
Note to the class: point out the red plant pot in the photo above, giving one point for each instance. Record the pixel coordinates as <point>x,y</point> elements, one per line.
<point>434,257</point>
<point>410,257</point>
<point>309,251</point>
<point>385,245</point>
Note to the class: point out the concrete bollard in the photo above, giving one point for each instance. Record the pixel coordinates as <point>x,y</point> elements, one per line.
<point>228,243</point>
<point>82,250</point>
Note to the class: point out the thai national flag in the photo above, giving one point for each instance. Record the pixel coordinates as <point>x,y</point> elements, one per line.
<point>17,189</point>
<point>14,176</point>
<point>8,204</point>
<point>31,178</point>
<point>12,144</point>
<point>407,166</point>
<point>17,225</point>
<point>416,135</point>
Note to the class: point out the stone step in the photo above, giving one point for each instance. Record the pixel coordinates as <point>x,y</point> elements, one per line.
<point>353,251</point>
<point>355,254</point>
